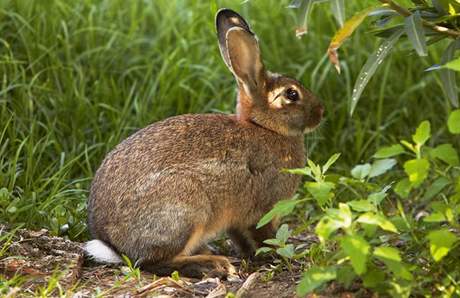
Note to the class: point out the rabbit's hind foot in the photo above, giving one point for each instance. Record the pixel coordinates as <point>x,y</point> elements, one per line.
<point>196,266</point>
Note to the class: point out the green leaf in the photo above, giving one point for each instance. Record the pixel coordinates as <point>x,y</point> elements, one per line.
<point>330,162</point>
<point>372,63</point>
<point>373,277</point>
<point>453,123</point>
<point>333,220</point>
<point>389,151</point>
<point>300,171</point>
<point>263,250</point>
<point>357,248</point>
<point>321,191</point>
<point>345,275</point>
<point>316,169</point>
<point>417,170</point>
<point>286,251</point>
<point>435,217</point>
<point>377,197</point>
<point>344,33</point>
<point>283,233</point>
<point>281,208</point>
<point>371,218</point>
<point>390,256</point>
<point>338,10</point>
<point>314,278</point>
<point>403,188</point>
<point>361,171</point>
<point>381,166</point>
<point>438,185</point>
<point>273,242</point>
<point>441,241</point>
<point>446,153</point>
<point>416,33</point>
<point>448,80</point>
<point>453,64</point>
<point>361,205</point>
<point>423,133</point>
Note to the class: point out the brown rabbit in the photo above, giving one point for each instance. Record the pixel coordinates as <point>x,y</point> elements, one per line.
<point>168,189</point>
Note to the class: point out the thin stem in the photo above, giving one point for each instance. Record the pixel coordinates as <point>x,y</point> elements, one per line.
<point>404,12</point>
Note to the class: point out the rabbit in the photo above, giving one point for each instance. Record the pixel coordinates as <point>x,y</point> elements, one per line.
<point>171,187</point>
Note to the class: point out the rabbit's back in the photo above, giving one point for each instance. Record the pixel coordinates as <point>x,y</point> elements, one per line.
<point>189,170</point>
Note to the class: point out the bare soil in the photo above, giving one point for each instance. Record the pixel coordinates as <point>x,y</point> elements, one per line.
<point>40,259</point>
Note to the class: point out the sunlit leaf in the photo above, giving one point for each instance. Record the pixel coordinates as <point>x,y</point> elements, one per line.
<point>417,170</point>
<point>372,63</point>
<point>315,277</point>
<point>343,33</point>
<point>280,209</point>
<point>422,134</point>
<point>321,191</point>
<point>357,248</point>
<point>389,151</point>
<point>454,64</point>
<point>361,205</point>
<point>390,256</point>
<point>377,219</point>
<point>416,33</point>
<point>453,123</point>
<point>330,162</point>
<point>441,241</point>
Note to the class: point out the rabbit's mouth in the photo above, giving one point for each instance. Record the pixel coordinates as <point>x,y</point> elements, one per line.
<point>316,115</point>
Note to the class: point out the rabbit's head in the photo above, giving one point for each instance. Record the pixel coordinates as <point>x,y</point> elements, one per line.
<point>270,100</point>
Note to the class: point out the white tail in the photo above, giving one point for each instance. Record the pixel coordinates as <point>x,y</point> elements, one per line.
<point>100,252</point>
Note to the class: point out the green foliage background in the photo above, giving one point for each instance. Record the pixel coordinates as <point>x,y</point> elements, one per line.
<point>76,77</point>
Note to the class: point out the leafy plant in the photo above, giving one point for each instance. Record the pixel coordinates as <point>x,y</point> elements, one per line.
<point>424,23</point>
<point>395,231</point>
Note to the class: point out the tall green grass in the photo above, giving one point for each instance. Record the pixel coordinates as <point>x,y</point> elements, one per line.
<point>76,77</point>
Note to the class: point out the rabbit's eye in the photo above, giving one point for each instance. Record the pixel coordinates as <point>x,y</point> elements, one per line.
<point>292,94</point>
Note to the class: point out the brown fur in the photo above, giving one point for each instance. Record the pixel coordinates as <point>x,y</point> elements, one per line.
<point>165,191</point>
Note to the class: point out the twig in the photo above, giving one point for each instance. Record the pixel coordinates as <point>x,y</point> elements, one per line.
<point>243,291</point>
<point>404,12</point>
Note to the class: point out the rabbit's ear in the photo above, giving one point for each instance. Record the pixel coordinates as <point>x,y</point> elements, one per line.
<point>245,61</point>
<point>227,19</point>
<point>240,50</point>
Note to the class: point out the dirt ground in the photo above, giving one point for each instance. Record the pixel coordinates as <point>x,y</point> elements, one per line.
<point>40,260</point>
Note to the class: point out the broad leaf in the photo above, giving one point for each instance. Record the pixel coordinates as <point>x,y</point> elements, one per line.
<point>361,171</point>
<point>280,209</point>
<point>441,241</point>
<point>357,248</point>
<point>416,33</point>
<point>453,64</point>
<point>381,166</point>
<point>435,188</point>
<point>446,153</point>
<point>283,233</point>
<point>346,31</point>
<point>315,277</point>
<point>422,134</point>
<point>435,217</point>
<point>403,188</point>
<point>371,218</point>
<point>389,151</point>
<point>286,251</point>
<point>417,170</point>
<point>390,256</point>
<point>372,63</point>
<point>321,191</point>
<point>361,205</point>
<point>453,123</point>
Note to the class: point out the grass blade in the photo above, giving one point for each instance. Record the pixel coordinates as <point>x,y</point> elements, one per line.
<point>338,10</point>
<point>371,66</point>
<point>416,33</point>
<point>305,10</point>
<point>448,81</point>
